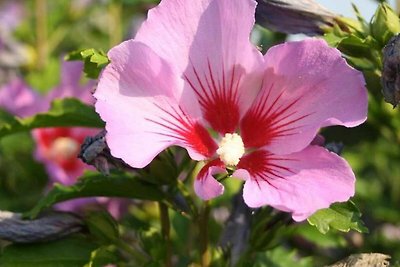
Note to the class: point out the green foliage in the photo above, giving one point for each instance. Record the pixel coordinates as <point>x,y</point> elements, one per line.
<point>277,257</point>
<point>103,226</point>
<point>340,216</point>
<point>46,78</point>
<point>163,170</point>
<point>22,185</point>
<point>94,61</point>
<point>63,113</point>
<point>154,245</point>
<point>68,252</point>
<point>102,256</point>
<point>385,24</point>
<point>267,229</point>
<point>330,239</point>
<point>117,184</point>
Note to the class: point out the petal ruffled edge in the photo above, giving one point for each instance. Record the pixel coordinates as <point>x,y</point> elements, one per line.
<point>140,98</point>
<point>300,183</point>
<point>205,185</point>
<point>208,42</point>
<point>307,85</point>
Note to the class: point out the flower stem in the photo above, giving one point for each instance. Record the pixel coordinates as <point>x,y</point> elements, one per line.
<point>203,235</point>
<point>115,29</point>
<point>41,32</point>
<point>189,200</point>
<point>165,232</point>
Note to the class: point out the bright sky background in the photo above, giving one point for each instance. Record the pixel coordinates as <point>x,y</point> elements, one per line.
<point>343,7</point>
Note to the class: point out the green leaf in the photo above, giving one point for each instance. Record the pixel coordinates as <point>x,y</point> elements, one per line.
<point>151,240</point>
<point>276,257</point>
<point>63,113</point>
<point>384,24</point>
<point>102,257</point>
<point>117,184</point>
<point>282,257</point>
<point>340,216</point>
<point>69,252</point>
<point>329,240</point>
<point>94,61</point>
<point>268,229</point>
<point>361,63</point>
<point>162,170</point>
<point>355,46</point>
<point>333,39</point>
<point>103,226</point>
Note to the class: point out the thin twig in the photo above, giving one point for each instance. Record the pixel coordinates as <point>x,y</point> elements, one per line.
<point>205,257</point>
<point>47,227</point>
<point>165,231</point>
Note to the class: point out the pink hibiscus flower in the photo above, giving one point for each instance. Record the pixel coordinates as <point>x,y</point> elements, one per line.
<point>58,148</point>
<point>192,78</point>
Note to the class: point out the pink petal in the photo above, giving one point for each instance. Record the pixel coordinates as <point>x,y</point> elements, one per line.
<point>307,85</point>
<point>141,99</point>
<point>19,99</point>
<point>205,186</point>
<point>71,86</point>
<point>208,41</point>
<point>71,72</point>
<point>11,15</point>
<point>117,207</point>
<point>300,183</point>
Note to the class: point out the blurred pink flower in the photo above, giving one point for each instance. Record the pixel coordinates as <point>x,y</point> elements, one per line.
<point>11,14</point>
<point>17,98</point>
<point>57,148</point>
<point>191,78</point>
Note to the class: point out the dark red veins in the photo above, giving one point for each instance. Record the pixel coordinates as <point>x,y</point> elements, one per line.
<point>265,166</point>
<point>218,96</point>
<point>193,134</point>
<point>263,122</point>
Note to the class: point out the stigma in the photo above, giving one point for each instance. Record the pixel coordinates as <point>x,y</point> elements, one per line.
<point>231,149</point>
<point>64,147</point>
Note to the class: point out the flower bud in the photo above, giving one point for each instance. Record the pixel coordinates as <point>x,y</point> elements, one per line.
<point>294,16</point>
<point>391,71</point>
<point>385,23</point>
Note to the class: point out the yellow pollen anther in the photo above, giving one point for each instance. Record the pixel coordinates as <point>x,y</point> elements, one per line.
<point>231,149</point>
<point>64,147</point>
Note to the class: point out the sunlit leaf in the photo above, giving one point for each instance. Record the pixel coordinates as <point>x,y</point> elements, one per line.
<point>340,216</point>
<point>63,113</point>
<point>117,184</point>
<point>385,23</point>
<point>102,256</point>
<point>94,61</point>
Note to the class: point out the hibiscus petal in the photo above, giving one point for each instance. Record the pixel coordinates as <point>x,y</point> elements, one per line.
<point>70,85</point>
<point>71,72</point>
<point>300,183</point>
<point>208,41</point>
<point>138,96</point>
<point>19,99</point>
<point>205,186</point>
<point>307,85</point>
